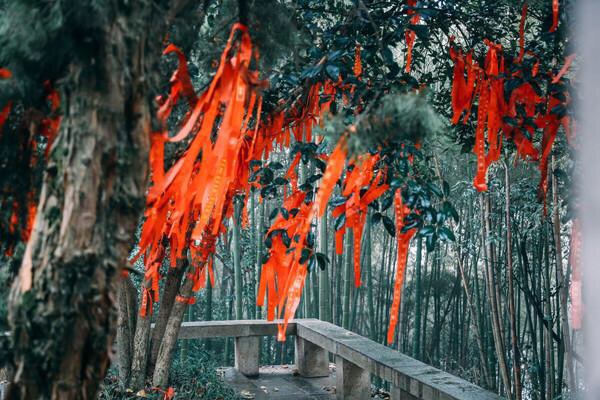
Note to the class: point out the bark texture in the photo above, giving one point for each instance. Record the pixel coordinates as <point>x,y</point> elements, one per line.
<point>165,353</point>
<point>126,317</point>
<point>62,313</point>
<point>170,291</point>
<point>141,345</point>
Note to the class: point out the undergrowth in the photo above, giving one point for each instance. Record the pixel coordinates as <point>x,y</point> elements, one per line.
<point>193,378</point>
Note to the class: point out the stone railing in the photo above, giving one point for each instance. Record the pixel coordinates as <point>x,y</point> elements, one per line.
<point>356,358</point>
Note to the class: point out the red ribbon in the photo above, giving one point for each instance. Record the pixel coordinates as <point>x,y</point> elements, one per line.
<point>554,16</point>
<point>410,35</point>
<point>185,300</point>
<point>403,244</point>
<point>522,33</point>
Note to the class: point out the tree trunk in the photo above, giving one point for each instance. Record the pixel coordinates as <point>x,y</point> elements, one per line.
<point>416,345</point>
<point>237,261</point>
<point>172,284</point>
<point>511,294</point>
<point>160,377</point>
<point>493,301</point>
<point>260,228</point>
<point>347,279</point>
<point>324,284</point>
<point>252,272</point>
<point>126,317</point>
<point>475,321</point>
<point>141,347</point>
<point>61,306</point>
<point>368,265</point>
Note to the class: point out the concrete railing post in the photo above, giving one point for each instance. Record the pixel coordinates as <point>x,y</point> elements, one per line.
<point>311,360</point>
<point>247,355</point>
<point>352,381</point>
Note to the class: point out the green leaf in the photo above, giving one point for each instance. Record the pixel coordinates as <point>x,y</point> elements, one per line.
<point>436,190</point>
<point>269,241</point>
<point>304,255</point>
<point>395,183</point>
<point>314,178</point>
<point>340,222</point>
<point>376,218</point>
<point>431,215</point>
<point>446,188</point>
<point>310,239</point>
<point>427,230</point>
<point>265,258</point>
<point>333,71</point>
<point>389,226</point>
<point>255,164</point>
<point>388,56</point>
<point>285,238</point>
<point>446,234</point>
<point>441,218</point>
<point>387,202</point>
<point>280,181</point>
<point>422,32</point>
<point>430,242</point>
<point>320,164</point>
<point>266,176</point>
<point>450,210</point>
<point>274,213</point>
<point>322,260</point>
<point>337,201</point>
<point>410,225</point>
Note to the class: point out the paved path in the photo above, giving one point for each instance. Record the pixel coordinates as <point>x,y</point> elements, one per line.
<point>281,382</point>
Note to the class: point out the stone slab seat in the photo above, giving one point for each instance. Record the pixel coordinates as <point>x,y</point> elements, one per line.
<point>234,328</point>
<point>407,374</point>
<point>356,359</point>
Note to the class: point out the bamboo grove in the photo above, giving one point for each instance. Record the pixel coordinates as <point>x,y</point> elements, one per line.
<point>398,168</point>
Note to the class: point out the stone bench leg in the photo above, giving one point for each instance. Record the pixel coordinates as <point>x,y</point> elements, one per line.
<point>352,381</point>
<point>311,360</point>
<point>247,354</point>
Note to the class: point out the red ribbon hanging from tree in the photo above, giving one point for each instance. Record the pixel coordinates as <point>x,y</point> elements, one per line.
<point>522,33</point>
<point>410,34</point>
<point>554,16</point>
<point>403,240</point>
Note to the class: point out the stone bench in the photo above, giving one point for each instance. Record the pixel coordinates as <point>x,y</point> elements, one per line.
<point>356,358</point>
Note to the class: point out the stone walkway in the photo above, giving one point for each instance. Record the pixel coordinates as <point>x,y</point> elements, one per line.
<point>281,382</point>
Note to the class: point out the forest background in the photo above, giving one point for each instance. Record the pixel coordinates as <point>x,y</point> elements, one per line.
<point>489,274</point>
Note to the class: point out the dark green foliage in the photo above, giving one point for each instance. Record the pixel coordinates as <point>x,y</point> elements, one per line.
<point>194,378</point>
<point>39,39</point>
<point>301,43</point>
<point>391,121</point>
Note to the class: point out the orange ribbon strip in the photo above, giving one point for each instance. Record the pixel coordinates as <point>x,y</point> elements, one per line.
<point>403,244</point>
<point>554,16</point>
<point>410,34</point>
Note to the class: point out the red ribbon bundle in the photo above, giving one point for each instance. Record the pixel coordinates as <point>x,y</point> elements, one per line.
<point>356,205</point>
<point>494,110</point>
<point>194,194</point>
